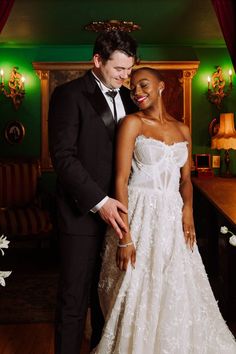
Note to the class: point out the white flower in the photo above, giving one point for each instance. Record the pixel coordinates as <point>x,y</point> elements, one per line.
<point>4,275</point>
<point>3,243</point>
<point>232,239</point>
<point>224,230</point>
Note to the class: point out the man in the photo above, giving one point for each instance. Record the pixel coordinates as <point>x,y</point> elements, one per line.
<point>82,120</point>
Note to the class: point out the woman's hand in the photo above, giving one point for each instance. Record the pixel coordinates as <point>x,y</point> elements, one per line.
<point>124,255</point>
<point>188,227</point>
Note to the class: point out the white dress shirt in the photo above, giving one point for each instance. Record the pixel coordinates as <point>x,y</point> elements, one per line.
<point>120,114</point>
<point>118,101</point>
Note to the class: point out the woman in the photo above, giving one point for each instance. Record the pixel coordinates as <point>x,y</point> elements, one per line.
<point>157,298</point>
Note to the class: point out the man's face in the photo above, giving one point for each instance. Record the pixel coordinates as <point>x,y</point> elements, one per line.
<point>115,70</point>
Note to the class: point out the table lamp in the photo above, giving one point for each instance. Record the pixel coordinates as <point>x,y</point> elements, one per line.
<point>225,139</point>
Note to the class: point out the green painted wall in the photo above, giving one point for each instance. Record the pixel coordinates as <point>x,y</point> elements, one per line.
<point>29,113</point>
<point>203,111</point>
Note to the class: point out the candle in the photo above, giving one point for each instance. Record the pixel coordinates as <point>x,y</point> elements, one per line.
<point>22,82</point>
<point>1,73</point>
<point>230,76</point>
<point>208,82</point>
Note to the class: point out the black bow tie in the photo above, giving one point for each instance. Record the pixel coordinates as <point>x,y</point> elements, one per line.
<point>112,94</point>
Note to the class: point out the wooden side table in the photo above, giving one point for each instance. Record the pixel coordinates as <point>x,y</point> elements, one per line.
<point>215,206</point>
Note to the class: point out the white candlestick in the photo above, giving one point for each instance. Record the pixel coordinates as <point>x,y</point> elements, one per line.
<point>208,82</point>
<point>1,73</point>
<point>230,76</point>
<point>22,82</point>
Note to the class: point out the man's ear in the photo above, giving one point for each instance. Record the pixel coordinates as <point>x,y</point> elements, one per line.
<point>97,61</point>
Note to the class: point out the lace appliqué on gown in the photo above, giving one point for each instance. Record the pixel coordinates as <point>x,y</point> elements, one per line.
<point>165,305</point>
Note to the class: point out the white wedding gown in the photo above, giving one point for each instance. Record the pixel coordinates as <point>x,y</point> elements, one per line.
<point>165,305</point>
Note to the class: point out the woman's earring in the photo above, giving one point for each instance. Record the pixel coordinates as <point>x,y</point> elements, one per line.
<point>160,91</point>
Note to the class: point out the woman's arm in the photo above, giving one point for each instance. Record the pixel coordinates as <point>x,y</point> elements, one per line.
<point>186,191</point>
<point>128,130</point>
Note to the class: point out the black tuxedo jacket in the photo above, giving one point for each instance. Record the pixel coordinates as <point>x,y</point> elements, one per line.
<point>81,142</point>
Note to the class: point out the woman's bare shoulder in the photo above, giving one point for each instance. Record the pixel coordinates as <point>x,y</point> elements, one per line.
<point>131,121</point>
<point>185,130</point>
<point>182,127</point>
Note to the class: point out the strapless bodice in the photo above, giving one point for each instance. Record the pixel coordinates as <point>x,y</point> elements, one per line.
<point>156,165</point>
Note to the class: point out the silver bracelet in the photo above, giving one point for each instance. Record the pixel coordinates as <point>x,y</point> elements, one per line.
<point>125,244</point>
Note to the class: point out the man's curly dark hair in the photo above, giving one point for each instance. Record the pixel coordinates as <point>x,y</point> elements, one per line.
<point>108,42</point>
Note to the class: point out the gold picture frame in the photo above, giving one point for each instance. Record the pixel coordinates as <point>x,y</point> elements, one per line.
<point>177,96</point>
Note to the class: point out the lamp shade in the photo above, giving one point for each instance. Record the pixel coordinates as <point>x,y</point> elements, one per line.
<point>226,135</point>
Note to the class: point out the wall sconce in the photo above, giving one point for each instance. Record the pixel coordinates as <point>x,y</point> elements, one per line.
<point>225,139</point>
<point>216,87</point>
<point>15,87</point>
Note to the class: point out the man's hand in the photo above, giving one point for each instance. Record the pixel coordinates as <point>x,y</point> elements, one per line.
<point>109,212</point>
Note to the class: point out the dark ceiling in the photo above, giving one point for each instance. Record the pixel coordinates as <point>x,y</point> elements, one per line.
<point>163,22</point>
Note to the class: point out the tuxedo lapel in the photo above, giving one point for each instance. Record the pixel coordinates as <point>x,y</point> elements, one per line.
<point>99,103</point>
<point>129,106</point>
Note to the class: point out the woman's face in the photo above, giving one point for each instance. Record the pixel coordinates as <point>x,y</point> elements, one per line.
<point>144,87</point>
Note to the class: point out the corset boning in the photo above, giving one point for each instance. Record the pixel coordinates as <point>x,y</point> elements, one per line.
<point>156,165</point>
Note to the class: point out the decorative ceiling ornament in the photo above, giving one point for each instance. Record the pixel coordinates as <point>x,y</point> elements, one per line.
<point>112,25</point>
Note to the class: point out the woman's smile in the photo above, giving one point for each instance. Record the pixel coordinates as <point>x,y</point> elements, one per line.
<point>140,99</point>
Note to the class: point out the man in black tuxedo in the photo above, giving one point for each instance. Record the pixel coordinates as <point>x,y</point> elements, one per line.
<point>82,121</point>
